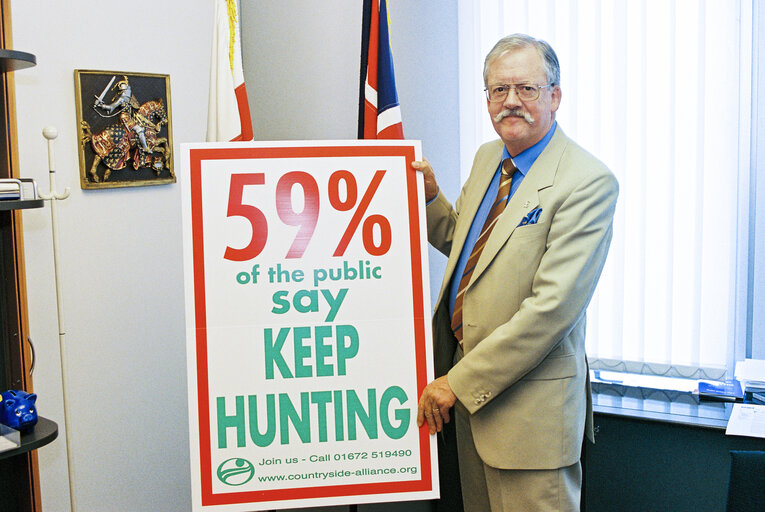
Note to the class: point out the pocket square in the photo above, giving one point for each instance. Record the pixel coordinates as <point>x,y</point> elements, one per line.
<point>532,217</point>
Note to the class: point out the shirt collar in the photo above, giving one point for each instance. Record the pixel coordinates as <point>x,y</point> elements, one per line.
<point>526,158</point>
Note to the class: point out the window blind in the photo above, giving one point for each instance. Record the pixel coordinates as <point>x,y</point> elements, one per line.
<point>659,91</point>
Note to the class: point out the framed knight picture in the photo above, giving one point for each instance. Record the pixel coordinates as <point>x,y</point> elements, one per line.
<point>125,129</point>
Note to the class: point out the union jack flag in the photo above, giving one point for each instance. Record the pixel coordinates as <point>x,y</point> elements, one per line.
<point>379,111</point>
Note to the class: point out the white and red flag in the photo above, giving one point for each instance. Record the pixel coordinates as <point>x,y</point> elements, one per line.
<point>228,112</point>
<point>379,111</point>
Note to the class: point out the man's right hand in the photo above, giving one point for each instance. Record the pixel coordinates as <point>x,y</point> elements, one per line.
<point>431,187</point>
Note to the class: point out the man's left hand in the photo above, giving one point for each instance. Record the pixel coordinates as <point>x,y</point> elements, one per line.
<point>435,402</point>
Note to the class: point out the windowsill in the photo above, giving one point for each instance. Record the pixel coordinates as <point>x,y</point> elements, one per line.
<point>665,399</point>
<point>659,405</point>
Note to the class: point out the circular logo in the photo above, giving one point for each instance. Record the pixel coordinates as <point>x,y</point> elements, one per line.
<point>236,471</point>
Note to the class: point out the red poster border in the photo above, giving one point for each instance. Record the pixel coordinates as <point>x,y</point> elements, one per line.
<point>196,156</point>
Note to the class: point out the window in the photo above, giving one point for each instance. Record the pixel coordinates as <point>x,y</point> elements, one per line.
<point>661,92</point>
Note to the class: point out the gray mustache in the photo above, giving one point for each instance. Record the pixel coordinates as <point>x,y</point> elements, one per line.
<point>515,112</point>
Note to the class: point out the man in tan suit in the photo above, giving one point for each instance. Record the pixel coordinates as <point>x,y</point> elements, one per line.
<point>526,245</point>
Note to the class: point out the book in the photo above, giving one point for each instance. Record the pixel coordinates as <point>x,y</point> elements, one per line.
<point>728,390</point>
<point>10,189</point>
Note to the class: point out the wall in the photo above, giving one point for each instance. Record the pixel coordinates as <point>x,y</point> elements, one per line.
<point>120,257</point>
<point>120,249</point>
<point>425,53</point>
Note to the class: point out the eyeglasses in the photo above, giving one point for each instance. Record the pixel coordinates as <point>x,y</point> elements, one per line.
<point>526,92</point>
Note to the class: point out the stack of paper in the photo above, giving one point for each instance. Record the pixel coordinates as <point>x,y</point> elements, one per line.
<point>751,373</point>
<point>10,189</point>
<point>643,381</point>
<point>9,438</point>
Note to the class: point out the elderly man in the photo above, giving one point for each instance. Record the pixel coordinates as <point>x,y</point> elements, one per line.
<point>526,243</point>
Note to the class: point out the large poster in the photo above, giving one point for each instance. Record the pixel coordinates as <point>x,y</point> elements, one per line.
<point>308,324</point>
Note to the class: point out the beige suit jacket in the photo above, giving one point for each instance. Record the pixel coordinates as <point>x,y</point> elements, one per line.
<point>524,376</point>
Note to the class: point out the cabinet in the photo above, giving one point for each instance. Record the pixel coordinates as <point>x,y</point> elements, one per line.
<point>19,487</point>
<point>640,464</point>
<point>14,355</point>
<point>658,450</point>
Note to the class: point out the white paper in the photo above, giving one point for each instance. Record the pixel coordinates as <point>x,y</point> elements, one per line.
<point>751,371</point>
<point>7,444</point>
<point>637,380</point>
<point>747,420</point>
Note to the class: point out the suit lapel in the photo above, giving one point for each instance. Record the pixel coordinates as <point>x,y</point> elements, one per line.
<point>526,198</point>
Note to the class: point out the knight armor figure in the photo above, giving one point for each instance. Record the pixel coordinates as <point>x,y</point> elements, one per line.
<point>124,102</point>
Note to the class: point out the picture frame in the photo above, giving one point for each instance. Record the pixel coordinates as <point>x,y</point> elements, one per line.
<point>124,122</point>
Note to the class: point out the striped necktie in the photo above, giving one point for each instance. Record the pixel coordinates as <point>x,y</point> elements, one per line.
<point>506,179</point>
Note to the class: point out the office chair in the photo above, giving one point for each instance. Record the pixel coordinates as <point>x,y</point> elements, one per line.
<point>746,489</point>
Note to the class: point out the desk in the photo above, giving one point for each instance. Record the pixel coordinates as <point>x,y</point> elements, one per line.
<point>658,451</point>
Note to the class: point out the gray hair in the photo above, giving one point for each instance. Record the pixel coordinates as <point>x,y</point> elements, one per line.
<point>517,41</point>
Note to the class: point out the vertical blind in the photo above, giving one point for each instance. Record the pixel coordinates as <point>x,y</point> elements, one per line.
<point>659,90</point>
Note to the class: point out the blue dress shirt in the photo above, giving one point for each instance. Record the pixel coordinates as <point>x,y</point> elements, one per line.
<point>523,162</point>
